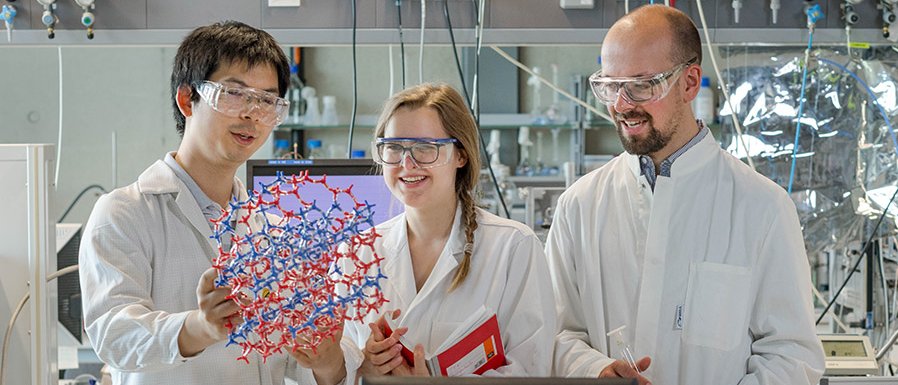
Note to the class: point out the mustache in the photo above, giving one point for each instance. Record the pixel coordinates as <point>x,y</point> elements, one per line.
<point>631,115</point>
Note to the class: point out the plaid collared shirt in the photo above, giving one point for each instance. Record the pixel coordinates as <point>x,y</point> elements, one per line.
<point>648,167</point>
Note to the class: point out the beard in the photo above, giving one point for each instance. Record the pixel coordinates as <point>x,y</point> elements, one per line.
<point>652,142</point>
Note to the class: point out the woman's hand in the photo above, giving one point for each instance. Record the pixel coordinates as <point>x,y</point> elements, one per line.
<point>382,353</point>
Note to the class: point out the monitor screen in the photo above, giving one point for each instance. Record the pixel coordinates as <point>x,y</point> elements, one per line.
<point>368,184</point>
<point>394,380</point>
<point>844,348</point>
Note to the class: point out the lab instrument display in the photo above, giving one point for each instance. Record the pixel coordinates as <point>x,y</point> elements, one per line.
<point>848,355</point>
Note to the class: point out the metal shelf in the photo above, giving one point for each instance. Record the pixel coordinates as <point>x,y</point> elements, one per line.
<point>464,37</point>
<point>487,122</point>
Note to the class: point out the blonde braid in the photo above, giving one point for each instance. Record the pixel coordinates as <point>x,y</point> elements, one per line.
<point>469,220</point>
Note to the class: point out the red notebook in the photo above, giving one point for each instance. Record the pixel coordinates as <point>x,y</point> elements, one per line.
<point>473,348</point>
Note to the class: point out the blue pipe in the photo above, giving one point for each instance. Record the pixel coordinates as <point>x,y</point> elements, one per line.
<point>801,97</point>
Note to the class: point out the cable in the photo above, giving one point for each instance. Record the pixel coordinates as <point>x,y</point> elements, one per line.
<point>8,335</point>
<point>819,297</point>
<point>894,307</point>
<point>355,85</point>
<point>478,37</point>
<point>390,64</point>
<point>15,314</point>
<point>59,140</point>
<point>401,41</point>
<point>723,85</point>
<point>464,88</point>
<point>421,49</point>
<point>461,75</point>
<point>863,252</point>
<point>873,97</point>
<point>885,291</point>
<point>801,96</point>
<point>474,101</point>
<point>86,189</point>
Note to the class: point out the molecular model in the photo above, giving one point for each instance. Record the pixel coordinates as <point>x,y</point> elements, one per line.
<point>293,266</point>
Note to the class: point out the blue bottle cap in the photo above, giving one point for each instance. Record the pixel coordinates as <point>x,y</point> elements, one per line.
<point>314,143</point>
<point>282,143</point>
<point>357,154</point>
<point>706,81</point>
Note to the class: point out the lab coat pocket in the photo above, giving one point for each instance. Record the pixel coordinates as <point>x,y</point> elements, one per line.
<point>717,307</point>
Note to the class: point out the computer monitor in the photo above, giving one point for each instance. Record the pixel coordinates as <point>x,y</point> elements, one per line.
<point>395,380</point>
<point>368,184</point>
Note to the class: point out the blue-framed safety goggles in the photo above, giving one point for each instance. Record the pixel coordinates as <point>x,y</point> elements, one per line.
<point>424,152</point>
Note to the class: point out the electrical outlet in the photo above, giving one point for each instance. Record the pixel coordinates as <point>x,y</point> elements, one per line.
<point>283,3</point>
<point>577,4</point>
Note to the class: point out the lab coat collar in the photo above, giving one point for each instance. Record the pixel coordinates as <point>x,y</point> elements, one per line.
<point>398,238</point>
<point>159,179</point>
<point>692,160</point>
<point>398,260</point>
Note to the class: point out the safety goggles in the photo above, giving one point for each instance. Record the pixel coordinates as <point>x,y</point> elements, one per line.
<point>237,102</point>
<point>635,90</point>
<point>424,152</point>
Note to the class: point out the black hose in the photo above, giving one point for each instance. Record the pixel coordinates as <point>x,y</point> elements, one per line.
<point>864,251</point>
<point>72,205</point>
<point>401,42</point>
<point>355,87</point>
<point>464,88</point>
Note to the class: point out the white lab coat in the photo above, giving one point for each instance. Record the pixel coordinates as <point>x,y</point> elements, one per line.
<point>508,274</point>
<point>716,249</point>
<point>144,249</point>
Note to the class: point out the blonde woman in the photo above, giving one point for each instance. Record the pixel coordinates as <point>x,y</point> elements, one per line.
<point>444,257</point>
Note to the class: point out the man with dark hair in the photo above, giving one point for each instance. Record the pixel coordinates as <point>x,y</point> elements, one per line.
<point>701,258</point>
<point>151,309</point>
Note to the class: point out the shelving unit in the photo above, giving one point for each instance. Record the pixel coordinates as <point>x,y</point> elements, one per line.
<point>570,139</point>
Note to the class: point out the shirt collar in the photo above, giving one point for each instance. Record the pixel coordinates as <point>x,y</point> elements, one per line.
<point>207,205</point>
<point>647,167</point>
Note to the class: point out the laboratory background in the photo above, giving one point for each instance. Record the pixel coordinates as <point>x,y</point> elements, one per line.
<point>802,91</point>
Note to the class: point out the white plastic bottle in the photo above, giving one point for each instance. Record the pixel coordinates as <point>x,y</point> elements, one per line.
<point>329,112</point>
<point>703,104</point>
<point>312,117</point>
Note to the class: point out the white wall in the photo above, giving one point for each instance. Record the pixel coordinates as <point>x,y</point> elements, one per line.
<point>105,90</point>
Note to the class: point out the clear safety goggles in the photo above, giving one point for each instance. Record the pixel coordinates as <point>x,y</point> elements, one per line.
<point>237,102</point>
<point>635,90</point>
<point>424,152</point>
